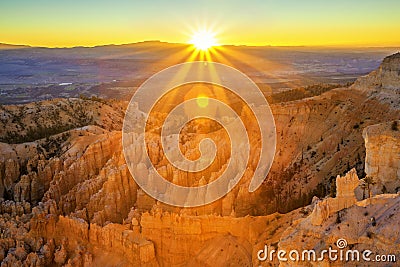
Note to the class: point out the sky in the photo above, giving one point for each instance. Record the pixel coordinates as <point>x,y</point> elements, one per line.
<point>55,23</point>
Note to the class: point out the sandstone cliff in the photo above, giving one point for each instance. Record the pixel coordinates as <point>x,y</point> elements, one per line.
<point>345,198</point>
<point>383,83</point>
<point>382,161</point>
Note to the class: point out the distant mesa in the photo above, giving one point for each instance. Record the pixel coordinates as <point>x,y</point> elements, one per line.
<point>11,46</point>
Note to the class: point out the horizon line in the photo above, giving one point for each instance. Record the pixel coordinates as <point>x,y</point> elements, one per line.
<point>188,44</point>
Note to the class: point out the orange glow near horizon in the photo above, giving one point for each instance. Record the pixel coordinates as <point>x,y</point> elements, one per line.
<point>341,23</point>
<point>203,40</point>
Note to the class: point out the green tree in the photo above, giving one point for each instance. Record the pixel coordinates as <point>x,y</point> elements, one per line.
<point>367,183</point>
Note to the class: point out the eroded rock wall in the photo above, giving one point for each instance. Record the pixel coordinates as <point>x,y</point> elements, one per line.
<point>382,161</point>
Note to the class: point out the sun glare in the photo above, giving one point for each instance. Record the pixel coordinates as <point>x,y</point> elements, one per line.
<point>203,40</point>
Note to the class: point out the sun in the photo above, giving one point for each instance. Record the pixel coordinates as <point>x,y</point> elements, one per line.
<point>203,40</point>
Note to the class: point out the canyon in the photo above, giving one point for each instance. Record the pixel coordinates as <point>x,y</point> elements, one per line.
<point>67,197</point>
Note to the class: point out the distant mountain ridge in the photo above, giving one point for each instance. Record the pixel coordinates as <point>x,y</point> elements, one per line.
<point>12,46</point>
<point>159,42</point>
